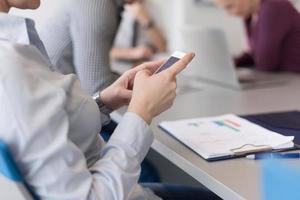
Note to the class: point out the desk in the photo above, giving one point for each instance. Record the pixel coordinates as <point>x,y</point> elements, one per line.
<point>232,179</point>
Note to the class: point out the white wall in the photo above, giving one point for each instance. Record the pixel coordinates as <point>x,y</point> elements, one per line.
<point>175,15</point>
<point>37,15</point>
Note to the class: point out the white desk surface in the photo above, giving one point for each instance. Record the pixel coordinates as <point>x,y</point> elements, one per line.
<point>230,179</point>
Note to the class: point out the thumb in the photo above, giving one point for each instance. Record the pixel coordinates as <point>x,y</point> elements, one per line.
<point>181,64</point>
<point>126,95</point>
<point>144,73</point>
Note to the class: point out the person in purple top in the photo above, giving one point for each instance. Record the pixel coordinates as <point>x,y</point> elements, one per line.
<point>273,29</point>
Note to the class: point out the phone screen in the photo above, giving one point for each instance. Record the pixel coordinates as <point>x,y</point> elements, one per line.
<point>171,61</point>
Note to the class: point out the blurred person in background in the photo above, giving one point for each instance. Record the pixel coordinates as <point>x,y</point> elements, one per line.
<point>78,36</point>
<point>138,38</point>
<point>273,30</point>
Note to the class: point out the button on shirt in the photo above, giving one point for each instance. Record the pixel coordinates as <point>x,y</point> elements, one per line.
<point>51,126</point>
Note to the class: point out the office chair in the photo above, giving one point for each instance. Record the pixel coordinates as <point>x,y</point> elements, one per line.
<point>280,180</point>
<point>12,184</point>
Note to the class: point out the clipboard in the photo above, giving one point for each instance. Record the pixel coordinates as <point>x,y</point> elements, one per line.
<point>237,154</point>
<point>243,151</point>
<point>286,123</point>
<point>242,154</point>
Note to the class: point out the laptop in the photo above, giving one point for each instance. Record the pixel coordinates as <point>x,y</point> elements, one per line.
<point>213,62</point>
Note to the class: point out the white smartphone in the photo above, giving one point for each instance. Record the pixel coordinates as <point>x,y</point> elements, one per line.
<point>176,56</point>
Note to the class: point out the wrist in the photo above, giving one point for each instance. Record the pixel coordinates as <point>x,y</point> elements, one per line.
<point>102,96</point>
<point>105,101</point>
<point>101,104</point>
<point>141,111</point>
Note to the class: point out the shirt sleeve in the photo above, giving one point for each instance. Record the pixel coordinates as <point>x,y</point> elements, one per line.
<point>93,32</point>
<point>51,163</point>
<point>273,25</point>
<point>127,146</point>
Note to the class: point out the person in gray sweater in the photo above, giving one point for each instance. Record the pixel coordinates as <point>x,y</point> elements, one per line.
<point>78,36</point>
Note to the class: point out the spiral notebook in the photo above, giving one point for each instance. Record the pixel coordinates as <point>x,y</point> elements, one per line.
<point>224,137</point>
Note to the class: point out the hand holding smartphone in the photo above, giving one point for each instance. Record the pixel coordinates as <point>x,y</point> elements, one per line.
<point>175,57</point>
<point>156,93</point>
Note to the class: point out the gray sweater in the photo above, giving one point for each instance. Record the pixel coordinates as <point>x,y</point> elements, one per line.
<point>78,36</point>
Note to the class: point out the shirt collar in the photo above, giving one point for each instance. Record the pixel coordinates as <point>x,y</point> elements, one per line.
<point>13,29</point>
<point>20,30</point>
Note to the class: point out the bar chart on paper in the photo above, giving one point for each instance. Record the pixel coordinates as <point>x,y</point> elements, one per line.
<point>223,135</point>
<point>229,124</point>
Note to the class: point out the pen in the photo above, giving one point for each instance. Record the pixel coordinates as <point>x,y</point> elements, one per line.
<point>260,156</point>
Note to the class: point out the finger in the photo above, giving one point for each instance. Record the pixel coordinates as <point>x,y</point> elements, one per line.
<point>133,74</point>
<point>151,66</point>
<point>144,73</point>
<point>126,95</point>
<point>141,75</point>
<point>181,64</point>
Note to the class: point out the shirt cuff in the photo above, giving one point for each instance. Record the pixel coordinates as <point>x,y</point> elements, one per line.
<point>135,133</point>
<point>105,119</point>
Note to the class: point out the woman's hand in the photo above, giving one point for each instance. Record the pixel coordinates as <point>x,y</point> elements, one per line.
<point>141,53</point>
<point>120,92</point>
<point>155,93</point>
